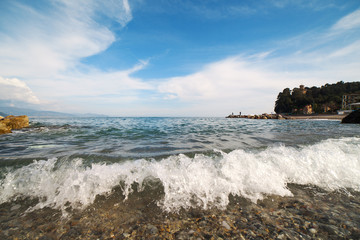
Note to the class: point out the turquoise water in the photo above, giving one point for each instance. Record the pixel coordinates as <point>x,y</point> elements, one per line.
<point>196,161</point>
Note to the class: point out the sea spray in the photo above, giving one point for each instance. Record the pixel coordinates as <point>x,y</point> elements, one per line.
<point>200,181</point>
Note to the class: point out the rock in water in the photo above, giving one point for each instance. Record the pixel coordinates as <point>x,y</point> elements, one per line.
<point>4,128</point>
<point>353,117</point>
<point>13,122</point>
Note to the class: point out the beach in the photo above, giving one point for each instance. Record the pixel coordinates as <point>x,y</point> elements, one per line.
<point>318,117</point>
<point>180,178</point>
<point>307,215</point>
<point>266,116</point>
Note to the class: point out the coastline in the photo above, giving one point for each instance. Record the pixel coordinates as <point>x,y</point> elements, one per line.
<point>292,117</point>
<point>317,117</point>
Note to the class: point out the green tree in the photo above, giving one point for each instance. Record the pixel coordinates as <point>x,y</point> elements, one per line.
<point>329,95</point>
<point>284,103</point>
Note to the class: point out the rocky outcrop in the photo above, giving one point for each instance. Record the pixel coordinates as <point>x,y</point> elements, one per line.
<point>353,117</point>
<point>4,128</point>
<point>263,116</point>
<point>13,122</point>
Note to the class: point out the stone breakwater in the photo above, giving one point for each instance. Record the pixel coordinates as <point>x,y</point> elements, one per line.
<point>262,116</point>
<point>13,122</point>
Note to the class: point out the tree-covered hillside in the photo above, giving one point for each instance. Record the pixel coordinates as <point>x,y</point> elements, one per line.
<point>327,98</point>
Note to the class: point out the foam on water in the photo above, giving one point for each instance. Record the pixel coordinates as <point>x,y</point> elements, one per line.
<point>42,146</point>
<point>203,181</point>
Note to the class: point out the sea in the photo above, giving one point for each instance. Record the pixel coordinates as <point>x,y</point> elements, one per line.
<point>63,173</point>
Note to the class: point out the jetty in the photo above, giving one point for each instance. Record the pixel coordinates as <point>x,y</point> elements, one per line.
<point>262,116</point>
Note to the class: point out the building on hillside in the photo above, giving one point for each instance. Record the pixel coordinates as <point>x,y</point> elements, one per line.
<point>302,89</point>
<point>327,108</point>
<point>308,109</point>
<point>355,106</point>
<point>350,102</point>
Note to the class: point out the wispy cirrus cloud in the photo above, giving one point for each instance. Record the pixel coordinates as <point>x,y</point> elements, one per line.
<point>95,82</point>
<point>348,22</point>
<point>230,9</point>
<point>44,45</point>
<point>55,37</point>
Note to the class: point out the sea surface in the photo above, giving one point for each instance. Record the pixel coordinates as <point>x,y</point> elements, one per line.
<point>152,168</point>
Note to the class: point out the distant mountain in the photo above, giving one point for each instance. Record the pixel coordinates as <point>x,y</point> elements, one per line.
<point>32,112</point>
<point>90,115</point>
<point>37,113</point>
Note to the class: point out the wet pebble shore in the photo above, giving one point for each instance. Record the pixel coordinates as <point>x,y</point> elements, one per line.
<point>310,214</point>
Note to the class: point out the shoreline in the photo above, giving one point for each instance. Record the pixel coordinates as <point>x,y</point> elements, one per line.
<point>162,179</point>
<point>318,117</point>
<point>305,215</point>
<point>292,117</point>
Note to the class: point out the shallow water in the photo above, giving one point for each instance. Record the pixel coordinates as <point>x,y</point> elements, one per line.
<point>141,171</point>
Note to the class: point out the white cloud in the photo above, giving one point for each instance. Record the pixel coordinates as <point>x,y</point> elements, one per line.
<point>350,21</point>
<point>227,78</point>
<point>14,89</point>
<point>347,50</point>
<point>252,83</point>
<point>44,45</point>
<point>228,85</point>
<point>45,41</point>
<point>127,8</point>
<point>94,83</point>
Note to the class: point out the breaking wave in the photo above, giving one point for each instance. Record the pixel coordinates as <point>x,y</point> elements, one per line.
<point>201,181</point>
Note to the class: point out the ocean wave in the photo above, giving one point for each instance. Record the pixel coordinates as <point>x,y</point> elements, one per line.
<point>201,181</point>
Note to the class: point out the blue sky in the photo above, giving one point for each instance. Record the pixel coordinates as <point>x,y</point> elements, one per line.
<point>172,58</point>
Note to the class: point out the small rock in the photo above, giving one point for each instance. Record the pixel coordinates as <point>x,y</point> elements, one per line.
<point>251,233</point>
<point>313,230</point>
<point>202,223</point>
<point>281,236</point>
<point>330,229</point>
<point>71,234</point>
<point>45,237</point>
<point>15,207</point>
<point>225,225</point>
<point>152,229</point>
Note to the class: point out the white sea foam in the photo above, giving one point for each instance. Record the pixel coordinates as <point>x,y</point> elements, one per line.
<point>42,146</point>
<point>199,181</point>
